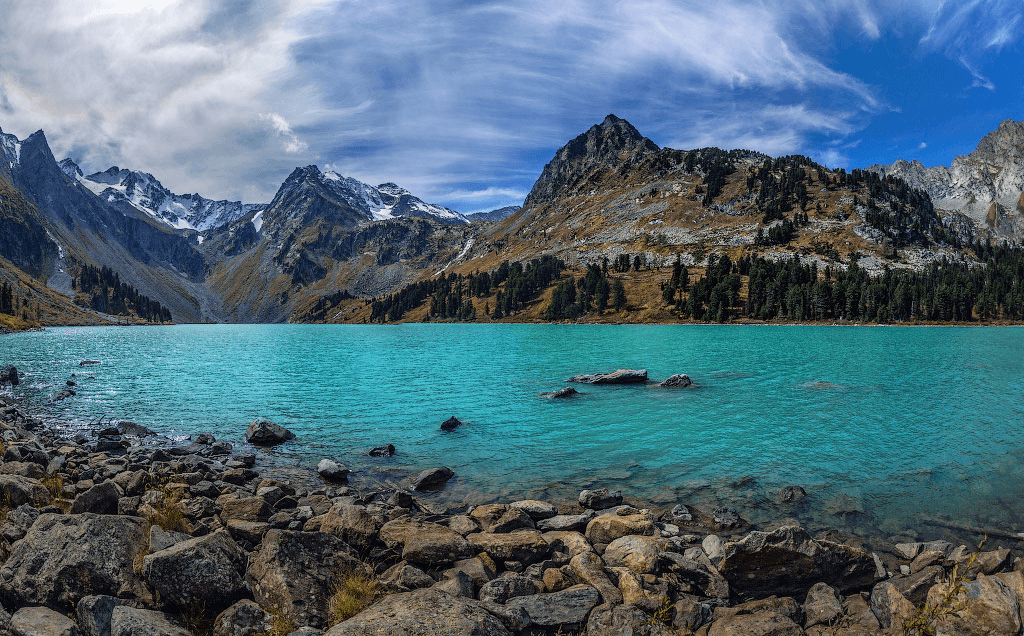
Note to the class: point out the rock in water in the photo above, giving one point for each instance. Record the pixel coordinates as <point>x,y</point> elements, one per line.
<point>63,394</point>
<point>387,450</point>
<point>431,479</point>
<point>678,380</point>
<point>331,470</point>
<point>567,392</point>
<point>600,498</point>
<point>621,376</point>
<point>9,376</point>
<point>265,432</point>
<point>450,424</point>
<point>792,493</point>
<point>87,363</point>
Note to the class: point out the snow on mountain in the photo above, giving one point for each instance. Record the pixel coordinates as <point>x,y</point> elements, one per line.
<point>11,149</point>
<point>386,201</point>
<point>142,191</point>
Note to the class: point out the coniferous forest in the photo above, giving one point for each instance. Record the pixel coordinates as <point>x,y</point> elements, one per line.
<point>101,289</point>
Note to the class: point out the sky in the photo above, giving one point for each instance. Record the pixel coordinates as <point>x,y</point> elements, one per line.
<point>463,103</point>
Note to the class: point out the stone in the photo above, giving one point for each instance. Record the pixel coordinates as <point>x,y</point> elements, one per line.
<point>207,570</point>
<point>331,470</point>
<point>387,450</point>
<point>681,514</point>
<point>18,522</point>
<point>503,588</point>
<point>160,539</point>
<point>42,621</point>
<point>589,567</point>
<point>63,394</point>
<point>430,479</point>
<point>9,376</point>
<point>789,494</point>
<point>94,614</point>
<point>451,424</point>
<point>600,498</point>
<point>759,624</point>
<point>787,561</point>
<point>609,527</point>
<point>128,621</point>
<point>925,559</point>
<point>637,553</point>
<point>425,543</point>
<point>101,499</point>
<point>265,433</point>
<point>478,570</point>
<point>20,490</point>
<point>244,618</point>
<point>689,612</point>
<point>556,579</point>
<point>566,522</point>
<point>244,509</point>
<point>567,609</point>
<point>64,558</point>
<point>463,524</point>
<point>292,572</point>
<point>713,546</point>
<point>526,546</point>
<point>988,606</point>
<point>701,575</point>
<point>890,607</point>
<point>621,376</point>
<point>680,380</point>
<point>352,524</point>
<point>915,587</point>
<point>822,605</point>
<point>459,584</point>
<point>641,591</point>
<point>536,510</point>
<point>783,606</point>
<point>25,469</point>
<point>405,575</point>
<point>726,518</point>
<point>425,611</point>
<point>607,620</point>
<point>991,562</point>
<point>560,394</point>
<point>569,542</point>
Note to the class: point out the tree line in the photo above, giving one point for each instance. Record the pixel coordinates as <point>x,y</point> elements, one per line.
<point>101,289</point>
<point>595,291</point>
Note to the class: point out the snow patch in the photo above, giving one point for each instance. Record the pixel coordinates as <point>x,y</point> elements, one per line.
<point>465,249</point>
<point>257,221</point>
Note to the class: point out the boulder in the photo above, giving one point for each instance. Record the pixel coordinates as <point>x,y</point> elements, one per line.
<point>890,607</point>
<point>407,577</point>
<point>822,605</point>
<point>915,587</point>
<point>759,624</point>
<point>101,499</point>
<point>387,450</point>
<point>567,609</point>
<point>42,621</point>
<point>244,618</point>
<point>20,490</point>
<point>525,546</point>
<point>988,605</point>
<point>94,614</point>
<point>459,584</point>
<point>206,570</point>
<point>128,621</point>
<point>331,470</point>
<point>63,394</point>
<point>430,479</point>
<point>160,539</point>
<point>621,376</point>
<point>790,494</point>
<point>87,363</point>
<point>352,524</point>
<point>425,611</point>
<point>501,518</point>
<point>18,522</point>
<point>292,573</point>
<point>600,498</point>
<point>680,380</point>
<point>701,575</point>
<point>567,392</point>
<point>787,561</point>
<point>566,523</point>
<point>9,376</point>
<point>607,620</point>
<point>265,433</point>
<point>425,543</point>
<point>501,589</point>
<point>451,424</point>
<point>64,558</point>
<point>537,510</point>
<point>609,527</point>
<point>637,553</point>
<point>589,567</point>
<point>244,509</point>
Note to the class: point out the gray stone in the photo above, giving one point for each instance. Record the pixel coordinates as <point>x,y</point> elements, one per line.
<point>526,546</point>
<point>407,576</point>
<point>352,524</point>
<point>20,490</point>
<point>459,584</point>
<point>205,570</point>
<point>501,589</point>
<point>822,605</point>
<point>18,522</point>
<point>101,499</point>
<point>537,510</point>
<point>331,470</point>
<point>567,609</point>
<point>915,587</point>
<point>759,624</point>
<point>566,522</point>
<point>589,568</point>
<point>451,424</point>
<point>9,376</point>
<point>244,618</point>
<point>42,621</point>
<point>561,394</point>
<point>713,547</point>
<point>425,543</point>
<point>64,558</point>
<point>264,432</point>
<point>426,611</point>
<point>94,613</point>
<point>430,479</point>
<point>600,498</point>
<point>609,527</point>
<point>790,494</point>
<point>638,553</point>
<point>128,621</point>
<point>890,607</point>
<point>620,376</point>
<point>680,380</point>
<point>619,620</point>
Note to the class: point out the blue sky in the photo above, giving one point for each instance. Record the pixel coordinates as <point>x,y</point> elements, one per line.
<point>464,103</point>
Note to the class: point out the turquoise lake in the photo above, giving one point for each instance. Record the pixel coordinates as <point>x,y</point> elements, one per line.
<point>884,427</point>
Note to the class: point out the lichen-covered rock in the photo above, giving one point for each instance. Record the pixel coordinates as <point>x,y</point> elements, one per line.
<point>101,499</point>
<point>567,609</point>
<point>425,543</point>
<point>94,614</point>
<point>525,546</point>
<point>509,586</point>
<point>292,573</point>
<point>206,570</point>
<point>352,524</point>
<point>66,557</point>
<point>407,576</point>
<point>128,621</point>
<point>609,527</point>
<point>822,605</point>
<point>426,611</point>
<point>244,618</point>
<point>20,490</point>
<point>42,621</point>
<point>787,561</point>
<point>639,554</point>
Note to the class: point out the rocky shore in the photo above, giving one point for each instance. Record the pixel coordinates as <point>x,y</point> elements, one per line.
<point>106,533</point>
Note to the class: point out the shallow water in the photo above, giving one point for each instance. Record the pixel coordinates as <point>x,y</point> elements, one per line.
<point>882,426</point>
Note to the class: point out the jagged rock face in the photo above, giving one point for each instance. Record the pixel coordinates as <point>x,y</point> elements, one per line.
<point>604,146</point>
<point>143,192</point>
<point>986,186</point>
<point>494,215</point>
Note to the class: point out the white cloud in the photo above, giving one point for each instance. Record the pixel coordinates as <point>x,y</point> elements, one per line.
<point>292,143</point>
<point>487,193</point>
<point>922,145</point>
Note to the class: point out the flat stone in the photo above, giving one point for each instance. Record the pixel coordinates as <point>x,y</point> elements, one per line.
<point>42,621</point>
<point>425,611</point>
<point>537,510</point>
<point>600,498</point>
<point>609,527</point>
<point>566,609</point>
<point>760,624</point>
<point>527,546</point>
<point>128,621</point>
<point>620,376</point>
<point>425,543</point>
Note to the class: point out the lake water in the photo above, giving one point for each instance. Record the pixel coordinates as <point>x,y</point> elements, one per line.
<point>883,427</point>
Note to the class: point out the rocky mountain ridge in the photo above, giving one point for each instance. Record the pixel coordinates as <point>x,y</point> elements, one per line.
<point>985,187</point>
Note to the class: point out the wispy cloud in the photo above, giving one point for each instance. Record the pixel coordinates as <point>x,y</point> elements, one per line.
<point>292,143</point>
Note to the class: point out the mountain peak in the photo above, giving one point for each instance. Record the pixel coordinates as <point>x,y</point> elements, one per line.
<point>70,168</point>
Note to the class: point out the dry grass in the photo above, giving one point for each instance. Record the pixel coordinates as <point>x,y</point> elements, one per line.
<point>353,593</point>
<point>54,483</point>
<point>166,511</point>
<point>280,625</point>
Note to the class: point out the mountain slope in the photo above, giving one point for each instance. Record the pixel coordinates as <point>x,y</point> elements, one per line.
<point>983,190</point>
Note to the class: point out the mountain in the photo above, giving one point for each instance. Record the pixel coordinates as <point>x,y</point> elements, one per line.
<point>118,186</point>
<point>982,192</point>
<point>494,215</point>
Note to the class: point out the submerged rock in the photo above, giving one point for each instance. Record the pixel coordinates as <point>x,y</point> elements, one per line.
<point>567,392</point>
<point>87,363</point>
<point>451,424</point>
<point>621,376</point>
<point>387,450</point>
<point>265,432</point>
<point>431,479</point>
<point>679,380</point>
